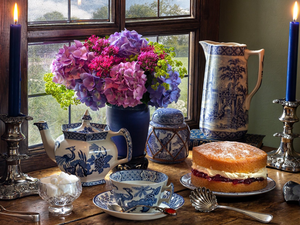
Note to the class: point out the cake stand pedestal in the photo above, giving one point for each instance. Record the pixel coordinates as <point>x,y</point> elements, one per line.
<point>15,184</point>
<point>285,157</point>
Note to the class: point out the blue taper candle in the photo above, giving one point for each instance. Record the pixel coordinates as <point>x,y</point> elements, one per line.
<point>292,58</point>
<point>14,94</point>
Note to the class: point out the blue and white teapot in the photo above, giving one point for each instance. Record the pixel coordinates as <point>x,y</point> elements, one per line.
<point>85,149</point>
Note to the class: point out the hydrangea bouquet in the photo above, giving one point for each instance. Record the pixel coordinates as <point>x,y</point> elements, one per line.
<point>123,69</point>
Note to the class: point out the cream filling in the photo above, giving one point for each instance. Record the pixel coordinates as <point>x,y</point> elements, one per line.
<point>210,172</point>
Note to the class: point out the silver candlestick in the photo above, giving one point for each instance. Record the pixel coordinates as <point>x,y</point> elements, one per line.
<point>15,184</point>
<point>285,157</point>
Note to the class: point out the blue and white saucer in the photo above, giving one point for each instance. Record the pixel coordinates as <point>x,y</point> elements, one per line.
<point>104,199</point>
<point>185,180</point>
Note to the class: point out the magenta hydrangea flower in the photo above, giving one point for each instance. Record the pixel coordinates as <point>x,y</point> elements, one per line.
<point>126,85</point>
<point>96,44</point>
<point>148,61</point>
<point>103,63</point>
<point>162,97</point>
<point>70,62</point>
<point>128,42</point>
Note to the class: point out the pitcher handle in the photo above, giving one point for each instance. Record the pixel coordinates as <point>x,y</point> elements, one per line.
<point>125,133</point>
<point>260,54</point>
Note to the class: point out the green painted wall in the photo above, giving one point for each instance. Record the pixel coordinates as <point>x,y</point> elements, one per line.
<point>263,24</point>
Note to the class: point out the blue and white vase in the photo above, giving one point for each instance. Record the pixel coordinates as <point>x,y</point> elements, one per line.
<point>225,98</point>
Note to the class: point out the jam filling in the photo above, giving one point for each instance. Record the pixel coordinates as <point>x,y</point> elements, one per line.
<point>224,179</point>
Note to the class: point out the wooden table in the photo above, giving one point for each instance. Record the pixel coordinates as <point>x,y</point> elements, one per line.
<point>85,212</point>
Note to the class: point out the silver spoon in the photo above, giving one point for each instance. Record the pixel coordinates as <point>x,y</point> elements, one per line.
<point>25,215</point>
<point>167,211</point>
<point>205,201</point>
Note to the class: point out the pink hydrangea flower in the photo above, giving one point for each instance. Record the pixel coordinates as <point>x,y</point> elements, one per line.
<point>126,85</point>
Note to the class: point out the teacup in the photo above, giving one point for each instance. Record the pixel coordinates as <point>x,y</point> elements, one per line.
<point>140,187</point>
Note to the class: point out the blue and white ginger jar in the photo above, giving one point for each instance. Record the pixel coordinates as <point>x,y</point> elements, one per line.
<point>168,136</point>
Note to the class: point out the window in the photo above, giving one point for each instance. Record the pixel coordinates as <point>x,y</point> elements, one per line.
<point>53,23</point>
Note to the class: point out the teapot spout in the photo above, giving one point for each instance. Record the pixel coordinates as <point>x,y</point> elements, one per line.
<point>48,141</point>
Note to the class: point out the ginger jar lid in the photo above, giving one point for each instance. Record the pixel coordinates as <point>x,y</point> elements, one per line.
<point>168,116</point>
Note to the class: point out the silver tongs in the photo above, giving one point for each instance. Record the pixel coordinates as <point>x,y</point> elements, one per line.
<point>25,215</point>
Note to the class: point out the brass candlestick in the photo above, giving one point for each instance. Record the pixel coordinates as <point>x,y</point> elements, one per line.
<point>15,184</point>
<point>285,157</point>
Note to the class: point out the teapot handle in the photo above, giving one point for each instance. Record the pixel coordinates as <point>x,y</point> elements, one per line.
<point>260,54</point>
<point>125,133</point>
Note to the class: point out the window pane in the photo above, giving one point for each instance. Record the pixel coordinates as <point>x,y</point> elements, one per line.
<point>78,111</point>
<point>58,10</point>
<point>89,9</point>
<point>40,57</point>
<point>47,10</point>
<point>145,8</point>
<point>181,47</point>
<point>141,8</point>
<point>45,108</point>
<point>151,38</point>
<point>174,7</point>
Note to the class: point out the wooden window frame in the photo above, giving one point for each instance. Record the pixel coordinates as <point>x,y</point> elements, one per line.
<point>204,25</point>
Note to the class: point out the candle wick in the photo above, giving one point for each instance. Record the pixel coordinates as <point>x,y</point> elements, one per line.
<point>16,22</point>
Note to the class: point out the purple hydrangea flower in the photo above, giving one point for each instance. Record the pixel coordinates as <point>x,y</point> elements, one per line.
<point>70,62</point>
<point>89,90</point>
<point>162,97</point>
<point>129,42</point>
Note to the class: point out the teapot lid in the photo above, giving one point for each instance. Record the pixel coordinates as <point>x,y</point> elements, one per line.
<point>85,126</point>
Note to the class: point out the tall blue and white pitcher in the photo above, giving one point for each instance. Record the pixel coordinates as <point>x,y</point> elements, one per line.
<point>225,98</point>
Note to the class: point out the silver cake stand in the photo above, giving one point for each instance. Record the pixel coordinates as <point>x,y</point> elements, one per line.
<point>15,184</point>
<point>285,157</point>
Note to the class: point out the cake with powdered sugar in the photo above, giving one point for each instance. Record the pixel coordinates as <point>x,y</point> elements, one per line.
<point>229,166</point>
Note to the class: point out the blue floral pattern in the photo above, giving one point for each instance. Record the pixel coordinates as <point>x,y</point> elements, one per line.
<point>130,195</point>
<point>98,161</point>
<point>147,196</point>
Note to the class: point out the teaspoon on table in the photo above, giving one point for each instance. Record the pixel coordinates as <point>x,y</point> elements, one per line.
<point>25,215</point>
<point>205,201</point>
<point>167,211</point>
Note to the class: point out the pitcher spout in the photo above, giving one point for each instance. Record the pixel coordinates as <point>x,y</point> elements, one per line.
<point>48,141</point>
<point>205,45</point>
